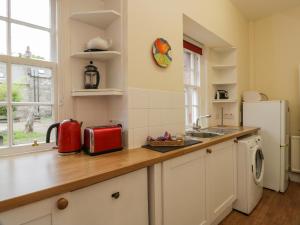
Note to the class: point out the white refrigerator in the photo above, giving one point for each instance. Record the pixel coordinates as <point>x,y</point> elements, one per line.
<point>273,119</point>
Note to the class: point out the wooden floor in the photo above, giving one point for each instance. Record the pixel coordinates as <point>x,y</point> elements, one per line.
<point>274,209</point>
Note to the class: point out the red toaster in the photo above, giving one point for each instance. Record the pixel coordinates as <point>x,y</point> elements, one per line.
<point>102,139</point>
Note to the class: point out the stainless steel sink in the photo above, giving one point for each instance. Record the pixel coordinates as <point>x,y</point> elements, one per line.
<point>221,130</point>
<point>202,134</point>
<point>211,132</point>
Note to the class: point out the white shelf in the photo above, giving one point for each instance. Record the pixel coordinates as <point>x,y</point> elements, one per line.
<point>222,67</point>
<point>100,19</point>
<point>223,49</point>
<point>101,55</point>
<point>225,101</point>
<point>97,92</point>
<point>224,83</point>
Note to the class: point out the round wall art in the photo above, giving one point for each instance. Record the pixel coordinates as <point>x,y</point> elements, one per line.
<point>161,52</point>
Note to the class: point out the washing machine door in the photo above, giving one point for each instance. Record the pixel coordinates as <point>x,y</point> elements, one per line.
<point>258,165</point>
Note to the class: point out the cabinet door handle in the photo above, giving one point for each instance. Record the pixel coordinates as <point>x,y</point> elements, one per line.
<point>62,203</point>
<point>209,151</point>
<point>115,195</point>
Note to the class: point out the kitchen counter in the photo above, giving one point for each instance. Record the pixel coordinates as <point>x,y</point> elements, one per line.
<point>32,177</point>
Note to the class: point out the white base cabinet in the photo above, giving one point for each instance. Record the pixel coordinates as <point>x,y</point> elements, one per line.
<point>184,200</point>
<point>221,175</point>
<point>195,189</point>
<point>119,201</point>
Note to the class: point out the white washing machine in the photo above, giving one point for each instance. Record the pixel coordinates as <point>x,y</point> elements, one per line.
<point>250,162</point>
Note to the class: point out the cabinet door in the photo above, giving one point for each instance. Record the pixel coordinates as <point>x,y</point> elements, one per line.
<point>221,178</point>
<point>120,201</point>
<point>38,213</point>
<point>184,190</point>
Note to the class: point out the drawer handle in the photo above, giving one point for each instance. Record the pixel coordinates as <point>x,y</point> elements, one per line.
<point>115,195</point>
<point>209,151</point>
<point>62,203</point>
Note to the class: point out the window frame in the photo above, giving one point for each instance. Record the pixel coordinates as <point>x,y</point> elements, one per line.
<point>10,60</point>
<point>202,89</point>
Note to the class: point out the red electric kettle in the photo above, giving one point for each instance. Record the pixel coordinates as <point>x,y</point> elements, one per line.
<point>68,136</point>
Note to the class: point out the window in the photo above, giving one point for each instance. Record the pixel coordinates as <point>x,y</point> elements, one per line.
<point>193,83</point>
<point>27,71</point>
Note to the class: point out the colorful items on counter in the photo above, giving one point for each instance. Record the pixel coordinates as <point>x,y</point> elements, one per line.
<point>166,140</point>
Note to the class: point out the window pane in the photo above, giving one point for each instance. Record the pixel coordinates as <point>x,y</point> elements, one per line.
<point>31,84</point>
<point>3,84</point>
<point>187,60</point>
<point>187,67</point>
<point>195,114</point>
<point>195,101</point>
<point>191,96</point>
<point>196,70</point>
<point>188,116</point>
<point>186,97</point>
<point>3,7</point>
<point>31,123</point>
<point>3,126</point>
<point>187,77</point>
<point>191,68</point>
<point>31,11</point>
<point>187,123</point>
<point>3,39</point>
<point>30,42</point>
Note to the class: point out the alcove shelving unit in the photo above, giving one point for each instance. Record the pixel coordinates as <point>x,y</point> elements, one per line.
<point>225,101</point>
<point>104,56</point>
<point>224,77</point>
<point>95,92</point>
<point>100,18</point>
<point>105,22</point>
<point>223,67</point>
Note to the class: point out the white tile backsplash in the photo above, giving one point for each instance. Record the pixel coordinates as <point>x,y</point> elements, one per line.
<point>177,100</point>
<point>138,118</point>
<point>152,112</point>
<point>140,136</point>
<point>159,99</point>
<point>138,99</point>
<point>156,117</point>
<point>130,143</point>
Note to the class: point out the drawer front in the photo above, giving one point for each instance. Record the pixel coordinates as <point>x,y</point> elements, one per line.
<point>120,201</point>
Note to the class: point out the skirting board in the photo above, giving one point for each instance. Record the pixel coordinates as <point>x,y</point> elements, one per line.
<point>223,215</point>
<point>295,177</point>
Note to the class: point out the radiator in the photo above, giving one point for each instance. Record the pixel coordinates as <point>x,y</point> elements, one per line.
<point>295,154</point>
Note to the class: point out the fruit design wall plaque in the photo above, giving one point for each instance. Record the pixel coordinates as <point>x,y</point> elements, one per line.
<point>161,52</point>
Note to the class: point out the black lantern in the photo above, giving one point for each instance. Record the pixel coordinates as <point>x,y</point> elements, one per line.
<point>91,77</point>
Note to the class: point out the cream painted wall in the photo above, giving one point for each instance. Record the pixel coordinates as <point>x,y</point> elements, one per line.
<point>148,20</point>
<point>276,58</point>
<point>145,21</point>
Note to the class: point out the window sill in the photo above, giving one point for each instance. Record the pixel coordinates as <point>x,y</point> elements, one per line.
<point>25,149</point>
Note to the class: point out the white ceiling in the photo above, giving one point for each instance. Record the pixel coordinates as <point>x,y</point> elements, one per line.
<point>255,9</point>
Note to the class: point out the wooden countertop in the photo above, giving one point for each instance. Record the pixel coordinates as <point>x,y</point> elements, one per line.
<point>32,177</point>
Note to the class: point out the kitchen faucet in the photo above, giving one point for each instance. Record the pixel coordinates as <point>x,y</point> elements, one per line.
<point>197,125</point>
